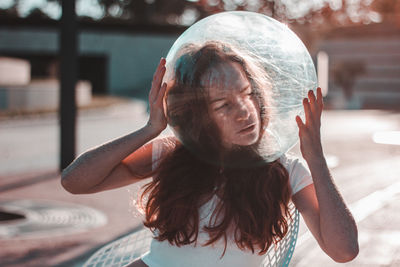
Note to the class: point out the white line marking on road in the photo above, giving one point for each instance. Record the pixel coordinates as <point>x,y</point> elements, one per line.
<point>388,138</point>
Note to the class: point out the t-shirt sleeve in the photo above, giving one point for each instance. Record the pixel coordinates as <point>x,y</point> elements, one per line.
<point>160,147</point>
<point>156,153</point>
<point>299,174</point>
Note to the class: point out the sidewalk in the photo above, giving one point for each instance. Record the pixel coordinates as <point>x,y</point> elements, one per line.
<point>31,142</point>
<point>66,249</point>
<point>28,171</point>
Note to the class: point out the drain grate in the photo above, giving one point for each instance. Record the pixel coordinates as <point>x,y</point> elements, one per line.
<point>44,218</point>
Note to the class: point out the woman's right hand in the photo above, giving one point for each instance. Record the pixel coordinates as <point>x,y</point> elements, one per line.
<point>157,121</point>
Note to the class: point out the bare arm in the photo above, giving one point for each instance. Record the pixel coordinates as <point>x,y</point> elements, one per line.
<point>103,167</point>
<point>94,166</point>
<point>321,204</point>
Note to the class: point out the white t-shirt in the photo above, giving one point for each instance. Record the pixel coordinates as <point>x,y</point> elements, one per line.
<point>163,254</point>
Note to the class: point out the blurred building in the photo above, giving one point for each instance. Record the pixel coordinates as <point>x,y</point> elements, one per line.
<point>114,63</point>
<point>364,66</point>
<point>364,61</point>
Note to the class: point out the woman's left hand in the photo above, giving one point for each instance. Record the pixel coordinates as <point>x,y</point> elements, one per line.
<point>309,132</point>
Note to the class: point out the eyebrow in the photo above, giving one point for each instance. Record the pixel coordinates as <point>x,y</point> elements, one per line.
<point>219,99</point>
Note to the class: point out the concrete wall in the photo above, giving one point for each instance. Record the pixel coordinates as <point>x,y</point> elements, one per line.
<point>132,58</point>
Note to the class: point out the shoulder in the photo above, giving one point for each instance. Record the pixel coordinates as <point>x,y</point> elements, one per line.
<point>299,173</point>
<point>161,147</point>
<point>291,162</point>
<point>164,144</point>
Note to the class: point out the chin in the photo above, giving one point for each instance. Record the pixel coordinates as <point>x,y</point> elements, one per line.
<point>248,140</point>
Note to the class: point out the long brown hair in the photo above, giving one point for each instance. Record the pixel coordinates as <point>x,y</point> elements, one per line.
<point>254,194</point>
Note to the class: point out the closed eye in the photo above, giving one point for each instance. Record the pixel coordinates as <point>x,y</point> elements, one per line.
<point>250,94</point>
<point>221,107</point>
<point>248,91</point>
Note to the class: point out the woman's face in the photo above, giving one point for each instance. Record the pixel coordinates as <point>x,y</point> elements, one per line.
<point>232,104</point>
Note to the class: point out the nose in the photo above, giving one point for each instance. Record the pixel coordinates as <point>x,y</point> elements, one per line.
<point>242,111</point>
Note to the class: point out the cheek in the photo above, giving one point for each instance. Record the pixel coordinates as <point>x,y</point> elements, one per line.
<point>221,116</point>
<point>254,103</point>
<point>256,109</point>
<point>221,120</point>
<point>224,122</point>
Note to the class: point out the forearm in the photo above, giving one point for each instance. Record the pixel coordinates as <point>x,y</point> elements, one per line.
<point>337,225</point>
<point>91,167</point>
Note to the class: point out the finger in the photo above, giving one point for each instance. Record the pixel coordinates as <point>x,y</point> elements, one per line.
<point>153,90</point>
<point>156,83</point>
<point>161,94</point>
<point>158,79</point>
<point>299,122</point>
<point>160,65</point>
<point>159,73</point>
<point>313,103</point>
<point>307,111</point>
<point>158,69</point>
<point>320,99</point>
<point>311,96</point>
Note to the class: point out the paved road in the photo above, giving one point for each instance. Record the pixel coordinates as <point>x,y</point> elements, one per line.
<point>367,174</point>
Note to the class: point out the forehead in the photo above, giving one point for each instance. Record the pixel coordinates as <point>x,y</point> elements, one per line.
<point>224,78</point>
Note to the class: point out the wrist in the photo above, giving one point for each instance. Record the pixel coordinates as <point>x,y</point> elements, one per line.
<point>316,160</point>
<point>152,130</point>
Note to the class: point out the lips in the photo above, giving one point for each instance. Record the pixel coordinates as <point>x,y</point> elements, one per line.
<point>248,128</point>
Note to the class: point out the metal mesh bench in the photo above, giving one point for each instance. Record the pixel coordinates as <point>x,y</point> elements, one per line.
<point>126,249</point>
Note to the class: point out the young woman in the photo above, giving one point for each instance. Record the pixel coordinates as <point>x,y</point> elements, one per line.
<point>213,200</point>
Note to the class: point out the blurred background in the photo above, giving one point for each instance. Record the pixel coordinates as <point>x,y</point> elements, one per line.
<point>75,74</point>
